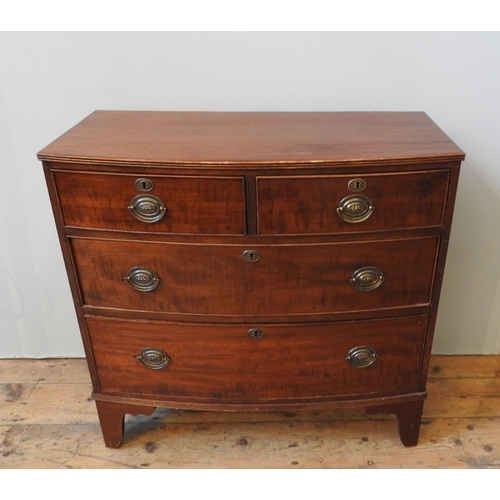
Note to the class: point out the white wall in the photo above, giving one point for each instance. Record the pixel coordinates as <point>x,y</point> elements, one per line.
<point>49,81</point>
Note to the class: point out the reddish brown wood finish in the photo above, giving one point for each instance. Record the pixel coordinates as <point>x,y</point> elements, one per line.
<point>409,416</point>
<point>296,280</point>
<point>257,139</point>
<point>269,182</point>
<point>198,205</point>
<point>294,361</point>
<point>308,204</point>
<point>112,419</point>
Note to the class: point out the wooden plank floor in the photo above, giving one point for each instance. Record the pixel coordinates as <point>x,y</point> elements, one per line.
<point>47,420</point>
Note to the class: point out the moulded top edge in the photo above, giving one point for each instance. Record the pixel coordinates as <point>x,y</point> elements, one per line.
<point>248,164</point>
<point>233,139</point>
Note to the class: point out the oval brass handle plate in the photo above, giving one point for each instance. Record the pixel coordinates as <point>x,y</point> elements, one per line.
<point>147,208</point>
<point>153,358</point>
<point>367,278</point>
<point>361,356</point>
<point>355,208</point>
<point>142,279</point>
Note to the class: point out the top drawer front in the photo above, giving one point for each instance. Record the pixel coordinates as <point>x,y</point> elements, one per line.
<point>308,204</point>
<point>194,205</point>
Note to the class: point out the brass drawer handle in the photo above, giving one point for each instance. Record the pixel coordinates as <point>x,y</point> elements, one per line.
<point>153,358</point>
<point>355,208</point>
<point>361,356</point>
<point>367,278</point>
<point>142,279</point>
<point>147,208</point>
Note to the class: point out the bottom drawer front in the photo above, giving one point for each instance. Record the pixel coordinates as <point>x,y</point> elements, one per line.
<point>256,362</point>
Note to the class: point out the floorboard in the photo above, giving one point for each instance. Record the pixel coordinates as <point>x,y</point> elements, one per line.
<point>48,421</point>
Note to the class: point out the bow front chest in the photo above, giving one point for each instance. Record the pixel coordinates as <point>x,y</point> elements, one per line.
<point>255,261</point>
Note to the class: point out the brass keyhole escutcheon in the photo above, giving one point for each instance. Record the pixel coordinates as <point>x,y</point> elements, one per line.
<point>143,184</point>
<point>255,333</point>
<point>357,184</point>
<point>251,255</point>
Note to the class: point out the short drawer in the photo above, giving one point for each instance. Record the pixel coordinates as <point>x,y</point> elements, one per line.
<point>298,279</point>
<point>351,203</point>
<point>149,203</point>
<point>288,361</point>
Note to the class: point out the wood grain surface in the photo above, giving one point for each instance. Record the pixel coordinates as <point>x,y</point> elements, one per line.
<point>47,421</point>
<point>287,279</point>
<point>221,364</point>
<point>272,185</point>
<point>252,138</point>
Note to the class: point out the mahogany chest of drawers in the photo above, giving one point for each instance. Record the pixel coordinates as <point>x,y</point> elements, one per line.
<point>255,261</point>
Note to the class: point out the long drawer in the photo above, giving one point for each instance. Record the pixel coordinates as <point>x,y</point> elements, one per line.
<point>152,203</point>
<point>214,362</point>
<point>259,281</point>
<point>327,204</point>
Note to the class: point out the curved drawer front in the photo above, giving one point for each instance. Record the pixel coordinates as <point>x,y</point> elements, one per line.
<point>260,281</point>
<point>351,203</point>
<point>148,203</point>
<point>225,363</point>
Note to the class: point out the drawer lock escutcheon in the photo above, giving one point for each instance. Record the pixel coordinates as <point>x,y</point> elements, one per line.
<point>367,278</point>
<point>355,208</point>
<point>361,356</point>
<point>255,333</point>
<point>251,255</point>
<point>147,208</point>
<point>143,184</point>
<point>153,358</point>
<point>142,279</point>
<point>357,184</point>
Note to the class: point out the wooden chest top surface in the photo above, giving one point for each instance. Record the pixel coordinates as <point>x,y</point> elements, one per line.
<point>252,138</point>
